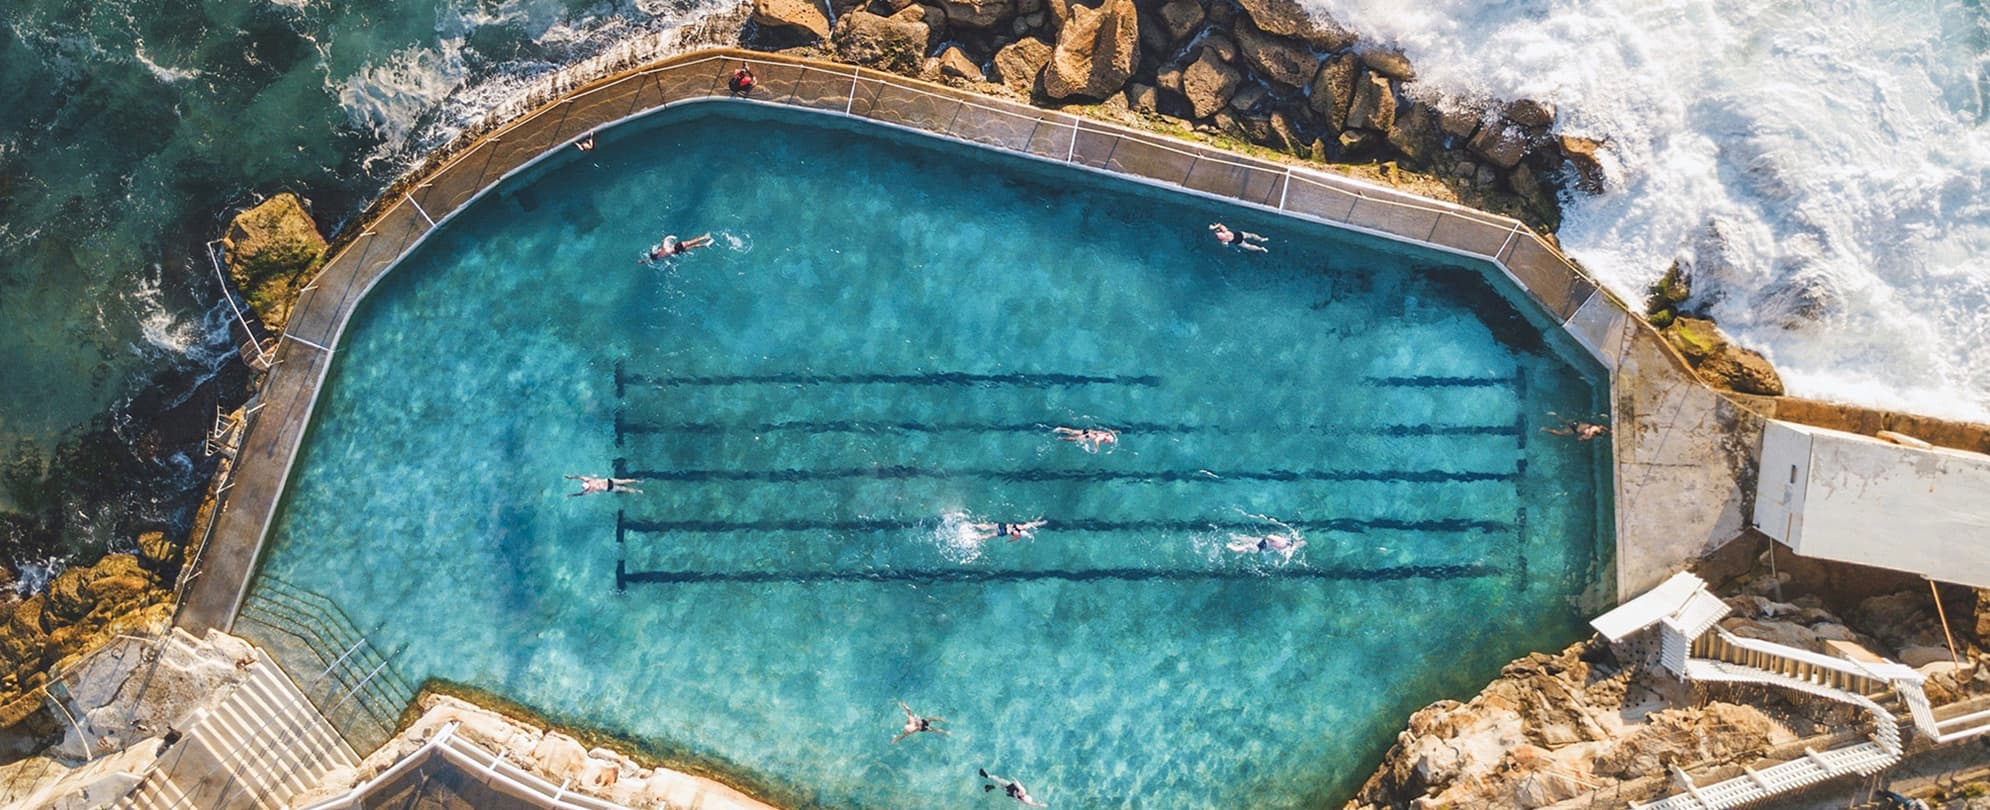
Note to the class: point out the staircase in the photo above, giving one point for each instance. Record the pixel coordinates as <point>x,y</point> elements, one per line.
<point>1692,645</point>
<point>350,679</point>
<point>258,747</point>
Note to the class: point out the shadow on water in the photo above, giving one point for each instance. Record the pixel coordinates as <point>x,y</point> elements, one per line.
<point>1471,290</point>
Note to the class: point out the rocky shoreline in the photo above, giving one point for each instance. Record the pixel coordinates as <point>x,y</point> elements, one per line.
<point>1264,75</point>
<point>1568,728</point>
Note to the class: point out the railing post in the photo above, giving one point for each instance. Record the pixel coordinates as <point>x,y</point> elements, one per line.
<point>850,102</point>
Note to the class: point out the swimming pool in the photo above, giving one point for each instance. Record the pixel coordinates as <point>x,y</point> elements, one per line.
<point>874,355</point>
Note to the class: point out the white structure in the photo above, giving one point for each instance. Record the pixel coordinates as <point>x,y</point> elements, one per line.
<point>1684,616</point>
<point>1856,499</point>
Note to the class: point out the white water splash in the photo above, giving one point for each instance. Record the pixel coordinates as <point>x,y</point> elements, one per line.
<point>1824,166</point>
<point>164,74</point>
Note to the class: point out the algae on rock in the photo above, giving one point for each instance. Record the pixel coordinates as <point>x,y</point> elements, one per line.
<point>272,250</point>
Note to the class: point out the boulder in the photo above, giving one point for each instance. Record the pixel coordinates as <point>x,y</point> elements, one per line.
<point>1501,144</point>
<point>1018,64</point>
<point>1225,49</point>
<point>272,249</point>
<point>1388,62</point>
<point>1582,153</point>
<point>1288,134</point>
<point>1720,362</point>
<point>1983,615</point>
<point>1096,52</point>
<point>559,755</point>
<point>977,13</point>
<point>156,550</point>
<point>1530,113</point>
<point>1333,90</point>
<point>1248,98</point>
<point>791,21</point>
<point>954,63</point>
<point>1415,133</point>
<point>1374,105</point>
<point>1143,98</point>
<point>1918,656</point>
<point>1459,120</point>
<point>1180,18</point>
<point>1286,62</point>
<point>1208,83</point>
<point>896,43</point>
<point>1357,143</point>
<point>1287,18</point>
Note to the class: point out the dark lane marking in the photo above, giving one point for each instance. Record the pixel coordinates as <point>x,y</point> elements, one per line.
<point>1439,382</point>
<point>933,378</point>
<point>978,576</point>
<point>900,473</point>
<point>623,426</point>
<point>899,524</point>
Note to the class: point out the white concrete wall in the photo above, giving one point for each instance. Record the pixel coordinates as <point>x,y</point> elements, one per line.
<point>1869,502</point>
<point>1783,474</point>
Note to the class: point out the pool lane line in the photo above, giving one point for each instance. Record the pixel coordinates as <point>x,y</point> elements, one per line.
<point>905,472</point>
<point>1426,381</point>
<point>625,427</point>
<point>641,526</point>
<point>982,576</point>
<point>950,378</point>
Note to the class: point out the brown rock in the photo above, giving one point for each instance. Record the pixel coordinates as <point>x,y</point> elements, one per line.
<point>1374,104</point>
<point>1356,143</point>
<point>1287,18</point>
<point>1582,154</point>
<point>1287,135</point>
<point>1500,144</point>
<point>1096,52</point>
<point>1983,615</point>
<point>896,43</point>
<point>1142,98</point>
<point>69,596</point>
<point>1333,90</point>
<point>1180,18</point>
<point>1224,48</point>
<point>1459,120</point>
<point>1018,64</point>
<point>1415,133</point>
<point>954,63</point>
<point>798,21</point>
<point>1286,62</point>
<point>1248,98</point>
<point>1530,113</point>
<point>1389,62</point>
<point>154,548</point>
<point>1208,83</point>
<point>977,13</point>
<point>272,249</point>
<point>1720,362</point>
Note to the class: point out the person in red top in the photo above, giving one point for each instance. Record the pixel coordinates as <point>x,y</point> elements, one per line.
<point>742,81</point>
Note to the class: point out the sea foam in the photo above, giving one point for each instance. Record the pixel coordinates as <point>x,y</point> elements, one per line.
<point>1821,166</point>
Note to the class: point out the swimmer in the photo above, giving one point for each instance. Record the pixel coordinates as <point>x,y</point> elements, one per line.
<point>1010,788</point>
<point>1582,431</point>
<point>672,246</point>
<point>1089,438</point>
<point>1237,239</point>
<point>742,81</point>
<point>590,484</point>
<point>1285,545</point>
<point>586,143</point>
<point>915,723</point>
<point>1013,531</point>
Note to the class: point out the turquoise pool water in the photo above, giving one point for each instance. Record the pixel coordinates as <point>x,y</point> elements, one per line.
<point>875,353</point>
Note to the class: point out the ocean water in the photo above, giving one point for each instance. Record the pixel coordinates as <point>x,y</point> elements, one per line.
<point>1824,165</point>
<point>871,357</point>
<point>131,129</point>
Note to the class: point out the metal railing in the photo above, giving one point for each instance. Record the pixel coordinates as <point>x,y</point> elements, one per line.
<point>353,681</point>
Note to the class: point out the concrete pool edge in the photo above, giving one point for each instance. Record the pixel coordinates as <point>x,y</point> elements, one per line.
<point>1598,321</point>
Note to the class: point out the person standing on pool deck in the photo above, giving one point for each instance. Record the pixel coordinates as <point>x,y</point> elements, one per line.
<point>742,81</point>
<point>590,484</point>
<point>1237,239</point>
<point>1010,788</point>
<point>915,723</point>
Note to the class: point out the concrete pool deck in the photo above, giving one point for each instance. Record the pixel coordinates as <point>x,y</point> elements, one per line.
<point>1679,448</point>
